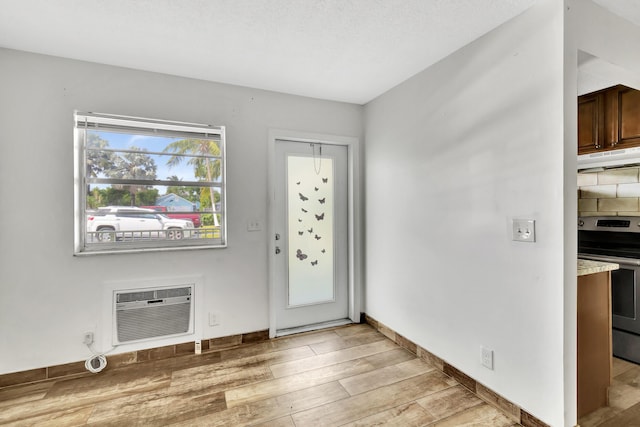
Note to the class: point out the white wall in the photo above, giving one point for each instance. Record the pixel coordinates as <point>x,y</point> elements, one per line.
<point>451,156</point>
<point>48,297</point>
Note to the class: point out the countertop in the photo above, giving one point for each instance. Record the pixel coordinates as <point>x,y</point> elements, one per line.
<point>590,267</point>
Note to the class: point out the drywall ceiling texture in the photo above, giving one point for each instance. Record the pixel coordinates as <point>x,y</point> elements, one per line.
<point>48,297</point>
<point>346,50</point>
<point>627,9</point>
<point>452,155</point>
<point>595,73</point>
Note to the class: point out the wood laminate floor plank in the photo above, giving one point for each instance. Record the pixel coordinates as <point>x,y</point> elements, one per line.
<point>482,415</point>
<point>68,417</point>
<point>151,409</point>
<point>278,344</point>
<point>280,422</point>
<point>107,384</point>
<point>17,395</point>
<point>406,415</point>
<point>623,396</point>
<point>381,399</point>
<point>355,329</point>
<point>203,383</point>
<point>314,377</point>
<point>327,359</point>
<point>79,392</point>
<point>263,359</point>
<point>621,366</point>
<point>598,416</point>
<point>447,402</point>
<point>384,376</point>
<point>628,417</point>
<point>272,408</point>
<point>349,341</point>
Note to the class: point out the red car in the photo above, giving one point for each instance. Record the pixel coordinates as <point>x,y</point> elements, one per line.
<point>191,216</point>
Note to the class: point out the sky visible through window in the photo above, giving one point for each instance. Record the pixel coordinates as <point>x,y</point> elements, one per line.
<point>183,170</point>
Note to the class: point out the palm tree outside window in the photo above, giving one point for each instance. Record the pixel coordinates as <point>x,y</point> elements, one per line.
<point>169,177</point>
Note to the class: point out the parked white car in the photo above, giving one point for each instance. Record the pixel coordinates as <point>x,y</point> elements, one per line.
<point>124,222</point>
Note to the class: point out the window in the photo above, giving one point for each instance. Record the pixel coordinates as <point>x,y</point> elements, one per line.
<point>145,184</point>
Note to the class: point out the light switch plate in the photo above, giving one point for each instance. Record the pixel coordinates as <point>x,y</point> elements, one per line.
<point>254,224</point>
<point>524,230</point>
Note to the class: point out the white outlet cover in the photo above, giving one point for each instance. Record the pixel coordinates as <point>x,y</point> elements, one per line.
<point>487,358</point>
<point>524,230</point>
<point>214,319</point>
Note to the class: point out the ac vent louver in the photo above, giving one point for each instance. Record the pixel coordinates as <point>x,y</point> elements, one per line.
<point>152,313</point>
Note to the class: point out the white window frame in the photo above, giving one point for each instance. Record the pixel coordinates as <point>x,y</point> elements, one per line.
<point>84,122</point>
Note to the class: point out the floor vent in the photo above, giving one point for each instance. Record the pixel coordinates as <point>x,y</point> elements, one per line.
<point>143,314</point>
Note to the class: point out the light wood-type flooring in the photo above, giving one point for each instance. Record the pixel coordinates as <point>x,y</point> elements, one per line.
<point>624,399</point>
<point>348,376</point>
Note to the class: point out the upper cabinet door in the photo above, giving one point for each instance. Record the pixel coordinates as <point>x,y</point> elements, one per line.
<point>609,119</point>
<point>628,117</point>
<point>590,123</point>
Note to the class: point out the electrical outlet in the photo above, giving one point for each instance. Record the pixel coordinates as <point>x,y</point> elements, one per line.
<point>487,358</point>
<point>214,318</point>
<point>88,338</point>
<point>198,347</point>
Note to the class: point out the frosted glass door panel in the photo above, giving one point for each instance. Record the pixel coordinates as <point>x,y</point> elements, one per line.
<point>310,207</point>
<point>311,248</point>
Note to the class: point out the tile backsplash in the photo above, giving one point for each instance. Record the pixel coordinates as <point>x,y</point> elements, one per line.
<point>614,192</point>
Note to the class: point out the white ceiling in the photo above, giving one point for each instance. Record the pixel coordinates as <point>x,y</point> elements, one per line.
<point>346,50</point>
<point>595,74</point>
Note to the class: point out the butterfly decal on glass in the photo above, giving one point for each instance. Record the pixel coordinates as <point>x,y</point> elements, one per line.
<point>300,255</point>
<point>320,217</point>
<point>300,233</point>
<point>316,188</point>
<point>304,210</point>
<point>314,263</point>
<point>322,200</point>
<point>324,180</point>
<point>299,220</point>
<point>298,183</point>
<point>310,230</point>
<point>323,251</point>
<point>317,237</point>
<point>303,197</point>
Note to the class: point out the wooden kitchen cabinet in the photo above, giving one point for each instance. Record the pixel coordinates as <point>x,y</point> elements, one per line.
<point>623,118</point>
<point>595,353</point>
<point>609,120</point>
<point>591,123</point>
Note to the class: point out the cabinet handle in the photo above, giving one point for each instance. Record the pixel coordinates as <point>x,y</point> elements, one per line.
<point>597,145</point>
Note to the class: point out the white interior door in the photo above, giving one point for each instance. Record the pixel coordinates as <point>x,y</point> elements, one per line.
<point>312,244</point>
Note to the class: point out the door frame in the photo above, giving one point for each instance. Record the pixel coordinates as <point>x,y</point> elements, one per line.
<point>353,222</point>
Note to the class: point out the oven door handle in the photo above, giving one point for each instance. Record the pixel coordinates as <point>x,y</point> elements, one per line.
<point>613,259</point>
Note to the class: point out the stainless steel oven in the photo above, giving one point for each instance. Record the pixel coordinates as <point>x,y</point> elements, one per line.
<point>617,239</point>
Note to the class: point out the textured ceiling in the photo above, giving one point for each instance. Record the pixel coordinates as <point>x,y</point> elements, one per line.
<point>346,50</point>
<point>628,9</point>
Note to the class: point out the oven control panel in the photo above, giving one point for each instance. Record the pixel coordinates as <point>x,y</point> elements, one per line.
<point>616,224</point>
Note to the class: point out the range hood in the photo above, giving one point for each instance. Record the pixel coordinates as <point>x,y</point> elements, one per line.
<point>609,159</point>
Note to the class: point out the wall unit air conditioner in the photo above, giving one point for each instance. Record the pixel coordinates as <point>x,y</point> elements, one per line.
<point>142,314</point>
